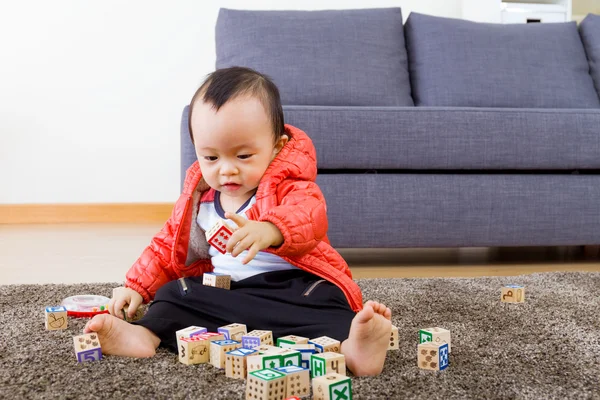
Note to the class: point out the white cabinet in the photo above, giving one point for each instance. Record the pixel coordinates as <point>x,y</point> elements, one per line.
<point>513,12</point>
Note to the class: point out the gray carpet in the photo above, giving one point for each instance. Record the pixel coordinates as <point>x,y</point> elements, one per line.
<point>548,347</point>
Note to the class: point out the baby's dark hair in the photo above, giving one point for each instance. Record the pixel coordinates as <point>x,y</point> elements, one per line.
<point>225,84</point>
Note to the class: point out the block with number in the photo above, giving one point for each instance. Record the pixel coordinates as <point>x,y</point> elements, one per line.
<point>194,350</point>
<point>56,318</point>
<point>233,331</point>
<point>218,236</point>
<point>513,294</point>
<point>394,345</point>
<point>436,335</point>
<point>219,348</point>
<point>325,343</point>
<point>87,347</point>
<point>257,338</point>
<point>297,380</point>
<point>266,384</point>
<point>326,363</point>
<point>306,351</point>
<point>215,279</point>
<point>274,359</point>
<point>263,348</point>
<point>236,362</point>
<point>332,387</point>
<point>287,341</point>
<point>433,356</point>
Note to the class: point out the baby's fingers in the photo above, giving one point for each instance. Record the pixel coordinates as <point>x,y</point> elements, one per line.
<point>252,252</point>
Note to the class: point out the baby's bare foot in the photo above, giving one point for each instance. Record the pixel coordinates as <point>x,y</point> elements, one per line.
<point>120,338</point>
<point>366,346</point>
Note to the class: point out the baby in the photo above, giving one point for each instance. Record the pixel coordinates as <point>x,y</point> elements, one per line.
<point>258,174</point>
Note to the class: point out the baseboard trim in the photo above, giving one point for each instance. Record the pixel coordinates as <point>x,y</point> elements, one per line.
<point>84,213</point>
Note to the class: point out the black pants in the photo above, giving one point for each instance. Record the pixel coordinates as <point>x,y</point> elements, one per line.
<point>291,302</point>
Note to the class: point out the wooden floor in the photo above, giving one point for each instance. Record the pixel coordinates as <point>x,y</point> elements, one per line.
<point>72,253</point>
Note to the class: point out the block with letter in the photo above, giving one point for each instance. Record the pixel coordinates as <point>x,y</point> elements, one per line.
<point>332,387</point>
<point>394,345</point>
<point>325,343</point>
<point>513,294</point>
<point>219,235</point>
<point>215,279</point>
<point>297,380</point>
<point>436,335</point>
<point>287,341</point>
<point>433,356</point>
<point>56,318</point>
<point>263,348</point>
<point>87,347</point>
<point>193,350</point>
<point>236,362</point>
<point>219,348</point>
<point>266,384</point>
<point>274,359</point>
<point>257,338</point>
<point>326,363</point>
<point>233,331</point>
<point>306,351</point>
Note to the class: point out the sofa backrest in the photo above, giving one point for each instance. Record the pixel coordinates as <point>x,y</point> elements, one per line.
<point>589,30</point>
<point>331,57</point>
<point>461,63</point>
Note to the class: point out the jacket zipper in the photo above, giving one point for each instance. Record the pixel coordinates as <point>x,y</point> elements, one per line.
<point>312,287</point>
<point>183,285</point>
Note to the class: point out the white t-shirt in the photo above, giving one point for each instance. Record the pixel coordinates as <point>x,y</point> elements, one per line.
<point>208,215</point>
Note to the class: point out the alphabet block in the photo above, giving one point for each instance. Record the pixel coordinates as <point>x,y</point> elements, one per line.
<point>332,387</point>
<point>236,362</point>
<point>218,236</point>
<point>297,380</point>
<point>325,343</point>
<point>287,341</point>
<point>233,331</point>
<point>326,363</point>
<point>222,281</point>
<point>433,356</point>
<point>274,359</point>
<point>394,345</point>
<point>257,338</point>
<point>306,351</point>
<point>87,347</point>
<point>513,294</point>
<point>55,318</point>
<point>193,350</point>
<point>436,335</point>
<point>219,348</point>
<point>266,384</point>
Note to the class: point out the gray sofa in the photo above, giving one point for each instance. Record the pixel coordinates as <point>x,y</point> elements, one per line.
<point>437,132</point>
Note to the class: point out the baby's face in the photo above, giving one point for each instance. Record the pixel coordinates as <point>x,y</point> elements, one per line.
<point>234,145</point>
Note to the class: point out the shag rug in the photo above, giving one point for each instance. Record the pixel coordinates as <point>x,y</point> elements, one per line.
<point>548,347</point>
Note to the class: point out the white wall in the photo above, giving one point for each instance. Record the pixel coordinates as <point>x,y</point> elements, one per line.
<point>91,92</point>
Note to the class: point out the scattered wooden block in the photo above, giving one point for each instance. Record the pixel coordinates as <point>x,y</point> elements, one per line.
<point>265,384</point>
<point>394,345</point>
<point>513,294</point>
<point>326,363</point>
<point>332,387</point>
<point>257,338</point>
<point>55,318</point>
<point>236,362</point>
<point>297,380</point>
<point>219,235</point>
<point>263,348</point>
<point>274,359</point>
<point>306,351</point>
<point>433,356</point>
<point>436,335</point>
<point>193,350</point>
<point>190,331</point>
<point>139,313</point>
<point>222,281</point>
<point>219,348</point>
<point>325,343</point>
<point>233,331</point>
<point>87,347</point>
<point>287,341</point>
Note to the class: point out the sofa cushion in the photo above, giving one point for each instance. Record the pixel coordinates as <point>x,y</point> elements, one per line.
<point>461,63</point>
<point>431,138</point>
<point>332,57</point>
<point>590,35</point>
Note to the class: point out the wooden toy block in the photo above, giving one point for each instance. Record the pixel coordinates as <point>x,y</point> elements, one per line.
<point>222,281</point>
<point>236,362</point>
<point>297,382</point>
<point>274,359</point>
<point>263,348</point>
<point>211,336</point>
<point>190,331</point>
<point>325,343</point>
<point>55,318</point>
<point>326,363</point>
<point>139,313</point>
<point>233,331</point>
<point>193,350</point>
<point>436,335</point>
<point>513,294</point>
<point>287,341</point>
<point>257,338</point>
<point>306,351</point>
<point>266,384</point>
<point>219,348</point>
<point>332,387</point>
<point>394,345</point>
<point>433,356</point>
<point>218,236</point>
<point>87,347</point>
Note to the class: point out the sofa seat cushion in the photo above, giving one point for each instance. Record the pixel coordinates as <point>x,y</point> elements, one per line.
<point>450,138</point>
<point>462,63</point>
<point>590,35</point>
<point>331,57</point>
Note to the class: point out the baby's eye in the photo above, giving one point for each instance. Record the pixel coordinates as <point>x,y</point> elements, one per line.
<point>210,158</point>
<point>244,156</point>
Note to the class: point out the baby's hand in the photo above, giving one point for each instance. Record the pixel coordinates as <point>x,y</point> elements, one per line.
<point>121,297</point>
<point>253,236</point>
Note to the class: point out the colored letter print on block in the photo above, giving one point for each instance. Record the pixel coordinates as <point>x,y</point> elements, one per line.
<point>265,384</point>
<point>433,356</point>
<point>87,347</point>
<point>436,335</point>
<point>513,294</point>
<point>332,387</point>
<point>56,318</point>
<point>326,363</point>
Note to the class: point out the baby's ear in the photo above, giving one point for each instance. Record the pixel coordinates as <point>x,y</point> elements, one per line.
<point>281,142</point>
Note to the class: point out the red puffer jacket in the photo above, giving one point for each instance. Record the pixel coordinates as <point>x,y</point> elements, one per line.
<point>287,196</point>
